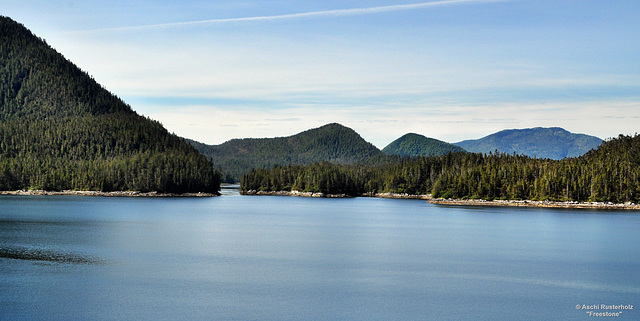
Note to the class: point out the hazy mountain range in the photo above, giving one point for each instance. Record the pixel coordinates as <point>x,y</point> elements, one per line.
<point>338,144</point>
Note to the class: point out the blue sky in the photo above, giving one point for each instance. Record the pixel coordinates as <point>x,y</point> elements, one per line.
<point>451,70</point>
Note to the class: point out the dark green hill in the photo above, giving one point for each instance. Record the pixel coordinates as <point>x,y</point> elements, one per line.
<point>417,145</point>
<point>59,129</point>
<point>553,143</point>
<point>333,143</point>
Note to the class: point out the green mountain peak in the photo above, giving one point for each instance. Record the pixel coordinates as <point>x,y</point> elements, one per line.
<point>412,144</point>
<point>332,143</point>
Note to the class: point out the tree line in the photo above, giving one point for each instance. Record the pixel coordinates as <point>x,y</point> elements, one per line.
<point>110,152</point>
<point>609,174</point>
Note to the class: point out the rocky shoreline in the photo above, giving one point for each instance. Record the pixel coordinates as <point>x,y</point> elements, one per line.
<point>318,194</point>
<point>399,196</point>
<point>293,193</point>
<point>544,204</point>
<point>107,194</point>
<point>468,202</point>
<point>428,197</point>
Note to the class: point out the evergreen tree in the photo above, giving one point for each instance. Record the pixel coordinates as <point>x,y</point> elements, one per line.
<point>59,129</point>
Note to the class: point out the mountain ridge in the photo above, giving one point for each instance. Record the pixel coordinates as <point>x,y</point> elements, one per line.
<point>237,156</point>
<point>332,143</point>
<point>540,142</point>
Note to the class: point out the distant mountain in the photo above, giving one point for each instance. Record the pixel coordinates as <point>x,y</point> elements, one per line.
<point>417,145</point>
<point>61,130</point>
<point>553,143</point>
<point>332,143</point>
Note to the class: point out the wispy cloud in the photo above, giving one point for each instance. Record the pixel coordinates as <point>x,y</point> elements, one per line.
<point>453,76</point>
<point>303,15</point>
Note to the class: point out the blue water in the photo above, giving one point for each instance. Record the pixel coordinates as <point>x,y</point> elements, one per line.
<point>286,258</point>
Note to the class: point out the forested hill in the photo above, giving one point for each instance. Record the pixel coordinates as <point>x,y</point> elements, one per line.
<point>553,143</point>
<point>333,143</point>
<point>60,130</point>
<point>417,145</point>
<point>609,174</point>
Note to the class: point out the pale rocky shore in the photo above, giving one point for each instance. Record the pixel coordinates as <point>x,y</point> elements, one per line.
<point>113,194</point>
<point>311,194</point>
<point>293,193</point>
<point>469,202</point>
<point>399,196</point>
<point>547,204</point>
<point>428,197</point>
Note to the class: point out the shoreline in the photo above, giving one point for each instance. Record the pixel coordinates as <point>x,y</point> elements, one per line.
<point>320,195</point>
<point>427,197</point>
<point>105,194</point>
<point>460,202</point>
<point>539,204</point>
<point>293,193</point>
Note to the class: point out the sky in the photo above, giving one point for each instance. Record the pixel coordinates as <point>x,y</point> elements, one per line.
<point>450,70</point>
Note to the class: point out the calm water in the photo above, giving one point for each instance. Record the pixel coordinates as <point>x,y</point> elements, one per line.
<point>285,258</point>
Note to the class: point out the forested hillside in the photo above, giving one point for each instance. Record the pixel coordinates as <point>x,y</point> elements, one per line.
<point>611,173</point>
<point>417,145</point>
<point>59,130</point>
<point>333,143</point>
<point>552,143</point>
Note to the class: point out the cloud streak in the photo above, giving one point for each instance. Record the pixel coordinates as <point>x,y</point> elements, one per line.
<point>303,15</point>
